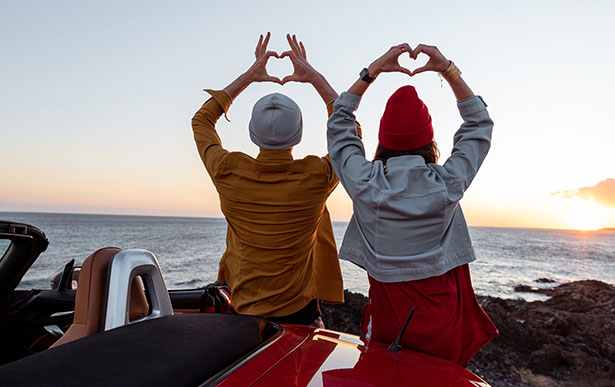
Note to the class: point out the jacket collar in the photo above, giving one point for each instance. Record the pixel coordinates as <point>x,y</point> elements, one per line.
<point>405,161</point>
<point>275,155</point>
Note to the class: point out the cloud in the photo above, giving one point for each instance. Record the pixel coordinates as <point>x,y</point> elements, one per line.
<point>602,193</point>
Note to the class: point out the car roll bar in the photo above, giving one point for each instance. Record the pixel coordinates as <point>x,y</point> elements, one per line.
<point>125,266</point>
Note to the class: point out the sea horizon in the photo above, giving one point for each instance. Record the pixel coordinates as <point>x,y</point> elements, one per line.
<point>189,250</point>
<point>610,228</point>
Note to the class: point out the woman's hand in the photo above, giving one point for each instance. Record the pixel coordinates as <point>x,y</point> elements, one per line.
<point>258,71</point>
<point>437,61</point>
<point>389,62</point>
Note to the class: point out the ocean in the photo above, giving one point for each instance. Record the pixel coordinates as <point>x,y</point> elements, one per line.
<point>189,250</point>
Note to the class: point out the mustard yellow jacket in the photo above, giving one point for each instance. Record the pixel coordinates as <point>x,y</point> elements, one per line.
<point>280,250</point>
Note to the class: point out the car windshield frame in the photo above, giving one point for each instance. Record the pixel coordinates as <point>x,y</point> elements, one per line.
<point>27,243</point>
<point>5,244</point>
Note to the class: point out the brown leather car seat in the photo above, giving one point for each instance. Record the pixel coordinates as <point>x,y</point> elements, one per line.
<point>91,297</point>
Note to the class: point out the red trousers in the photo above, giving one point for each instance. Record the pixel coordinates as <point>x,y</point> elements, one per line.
<point>448,322</point>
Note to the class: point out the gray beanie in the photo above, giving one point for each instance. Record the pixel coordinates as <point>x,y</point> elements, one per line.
<point>276,122</point>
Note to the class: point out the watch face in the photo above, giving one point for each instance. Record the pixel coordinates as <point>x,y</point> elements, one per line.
<point>365,76</point>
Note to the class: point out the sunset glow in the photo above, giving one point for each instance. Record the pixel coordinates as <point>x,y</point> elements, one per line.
<point>585,215</point>
<point>96,100</point>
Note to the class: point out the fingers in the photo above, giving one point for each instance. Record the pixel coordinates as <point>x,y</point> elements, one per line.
<point>290,42</point>
<point>404,47</point>
<point>429,50</point>
<point>297,55</point>
<point>261,46</point>
<point>417,50</point>
<point>258,46</point>
<point>394,52</point>
<point>299,46</point>
<point>405,71</point>
<point>274,80</point>
<point>296,46</point>
<point>437,61</point>
<point>287,78</point>
<point>420,70</point>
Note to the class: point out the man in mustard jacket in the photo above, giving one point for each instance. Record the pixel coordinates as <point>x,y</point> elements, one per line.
<point>280,256</point>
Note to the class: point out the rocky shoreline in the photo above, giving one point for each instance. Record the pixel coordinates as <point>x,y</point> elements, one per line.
<point>567,340</point>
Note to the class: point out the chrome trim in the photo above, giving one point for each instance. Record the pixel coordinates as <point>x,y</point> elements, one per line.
<point>125,266</point>
<point>54,331</point>
<point>342,336</point>
<point>60,314</point>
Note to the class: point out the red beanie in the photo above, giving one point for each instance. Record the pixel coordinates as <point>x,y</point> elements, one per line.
<point>406,123</point>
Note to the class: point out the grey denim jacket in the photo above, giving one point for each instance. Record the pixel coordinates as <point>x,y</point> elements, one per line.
<point>407,222</point>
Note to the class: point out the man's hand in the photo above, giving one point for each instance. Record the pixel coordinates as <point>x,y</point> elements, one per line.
<point>303,70</point>
<point>389,62</point>
<point>437,61</point>
<point>258,71</point>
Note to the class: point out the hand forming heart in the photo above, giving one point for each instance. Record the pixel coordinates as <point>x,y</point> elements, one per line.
<point>437,61</point>
<point>302,70</point>
<point>389,62</point>
<point>258,70</point>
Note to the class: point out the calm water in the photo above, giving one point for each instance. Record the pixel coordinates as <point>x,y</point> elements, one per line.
<point>189,250</point>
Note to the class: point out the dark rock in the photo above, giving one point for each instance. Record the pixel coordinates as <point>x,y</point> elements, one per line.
<point>567,340</point>
<point>543,280</point>
<point>345,317</point>
<point>531,289</point>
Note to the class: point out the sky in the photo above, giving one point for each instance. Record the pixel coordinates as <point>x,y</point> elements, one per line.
<point>96,98</point>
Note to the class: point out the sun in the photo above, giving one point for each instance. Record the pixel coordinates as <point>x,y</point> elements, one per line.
<point>583,215</point>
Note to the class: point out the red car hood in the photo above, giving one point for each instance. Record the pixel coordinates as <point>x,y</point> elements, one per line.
<point>305,356</point>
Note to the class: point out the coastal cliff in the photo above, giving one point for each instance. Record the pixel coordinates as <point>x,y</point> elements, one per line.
<point>567,340</point>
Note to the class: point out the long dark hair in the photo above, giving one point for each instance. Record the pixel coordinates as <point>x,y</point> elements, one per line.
<point>430,153</point>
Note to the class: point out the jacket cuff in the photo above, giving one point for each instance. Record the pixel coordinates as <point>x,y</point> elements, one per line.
<point>222,98</point>
<point>349,100</point>
<point>471,105</point>
<point>330,108</point>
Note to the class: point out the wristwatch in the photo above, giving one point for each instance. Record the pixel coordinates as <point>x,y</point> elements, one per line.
<point>364,74</point>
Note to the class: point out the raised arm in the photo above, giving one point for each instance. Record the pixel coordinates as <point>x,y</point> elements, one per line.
<point>204,121</point>
<point>473,139</point>
<point>471,142</point>
<point>343,142</point>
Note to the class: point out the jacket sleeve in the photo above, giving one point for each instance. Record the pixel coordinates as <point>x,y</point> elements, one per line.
<point>470,146</point>
<point>345,146</point>
<point>333,179</point>
<point>204,128</point>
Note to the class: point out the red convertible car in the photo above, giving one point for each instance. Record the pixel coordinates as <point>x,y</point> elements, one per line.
<point>121,327</point>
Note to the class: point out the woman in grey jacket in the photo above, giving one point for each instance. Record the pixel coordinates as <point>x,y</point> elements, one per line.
<point>408,231</point>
